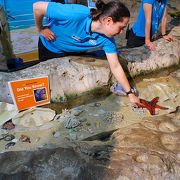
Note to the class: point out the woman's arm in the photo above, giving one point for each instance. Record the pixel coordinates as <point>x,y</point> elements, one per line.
<point>164,23</point>
<point>119,74</point>
<point>39,9</point>
<point>148,15</point>
<point>163,27</point>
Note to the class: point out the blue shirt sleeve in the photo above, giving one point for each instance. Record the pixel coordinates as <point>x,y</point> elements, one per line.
<point>110,46</point>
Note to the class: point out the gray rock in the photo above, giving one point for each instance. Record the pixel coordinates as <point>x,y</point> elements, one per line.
<point>64,77</point>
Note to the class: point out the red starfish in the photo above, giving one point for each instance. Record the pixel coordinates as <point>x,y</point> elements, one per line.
<point>150,105</point>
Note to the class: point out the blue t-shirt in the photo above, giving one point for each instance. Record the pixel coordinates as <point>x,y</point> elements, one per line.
<point>157,15</point>
<point>71,25</point>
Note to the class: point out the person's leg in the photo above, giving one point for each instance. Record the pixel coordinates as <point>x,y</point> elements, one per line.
<point>134,41</point>
<point>45,54</point>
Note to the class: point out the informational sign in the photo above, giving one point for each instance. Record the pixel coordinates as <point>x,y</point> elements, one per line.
<point>28,93</point>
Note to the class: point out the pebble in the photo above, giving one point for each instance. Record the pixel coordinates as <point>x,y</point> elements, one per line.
<point>97,104</point>
<point>77,112</point>
<point>91,131</point>
<point>57,134</point>
<point>10,144</point>
<point>15,140</point>
<point>7,137</point>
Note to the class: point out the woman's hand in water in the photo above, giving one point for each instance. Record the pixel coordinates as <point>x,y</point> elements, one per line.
<point>134,100</point>
<point>48,34</point>
<point>168,37</point>
<point>150,46</point>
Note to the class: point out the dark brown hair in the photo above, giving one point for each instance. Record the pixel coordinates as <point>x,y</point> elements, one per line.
<point>114,9</point>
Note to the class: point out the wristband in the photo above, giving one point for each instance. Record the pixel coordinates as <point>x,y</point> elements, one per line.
<point>129,92</point>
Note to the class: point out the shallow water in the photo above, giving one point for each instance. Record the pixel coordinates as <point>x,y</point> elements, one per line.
<point>104,92</point>
<point>78,101</point>
<point>112,140</point>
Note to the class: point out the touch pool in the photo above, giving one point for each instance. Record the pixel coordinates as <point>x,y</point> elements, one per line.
<point>106,139</point>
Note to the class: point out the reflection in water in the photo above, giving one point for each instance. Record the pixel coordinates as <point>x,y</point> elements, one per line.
<point>89,97</point>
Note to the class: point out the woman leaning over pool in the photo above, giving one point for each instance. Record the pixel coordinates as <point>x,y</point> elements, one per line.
<point>76,28</point>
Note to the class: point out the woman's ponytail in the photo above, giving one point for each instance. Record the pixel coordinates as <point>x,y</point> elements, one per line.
<point>95,13</point>
<point>114,9</point>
